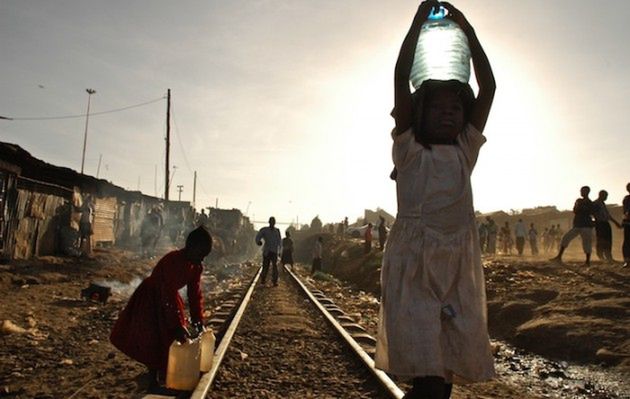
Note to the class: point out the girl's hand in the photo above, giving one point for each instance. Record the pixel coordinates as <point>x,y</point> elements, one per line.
<point>424,9</point>
<point>181,334</point>
<point>456,15</point>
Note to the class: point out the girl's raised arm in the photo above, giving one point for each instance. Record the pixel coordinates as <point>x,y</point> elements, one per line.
<point>403,104</point>
<point>483,71</point>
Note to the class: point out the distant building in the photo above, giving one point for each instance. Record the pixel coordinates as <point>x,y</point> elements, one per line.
<point>36,205</point>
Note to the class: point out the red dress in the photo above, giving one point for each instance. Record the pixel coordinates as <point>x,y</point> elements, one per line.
<point>146,327</point>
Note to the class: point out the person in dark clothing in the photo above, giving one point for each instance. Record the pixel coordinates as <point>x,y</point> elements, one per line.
<point>626,228</point>
<point>491,227</point>
<point>149,232</point>
<point>85,225</point>
<point>382,233</point>
<point>582,226</point>
<point>270,235</point>
<point>533,239</point>
<point>155,314</point>
<point>603,232</point>
<point>287,250</point>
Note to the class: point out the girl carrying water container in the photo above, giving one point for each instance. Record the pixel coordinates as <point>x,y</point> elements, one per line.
<point>432,325</point>
<point>155,314</point>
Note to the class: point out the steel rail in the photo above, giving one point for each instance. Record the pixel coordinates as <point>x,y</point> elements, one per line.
<point>203,387</point>
<point>388,385</point>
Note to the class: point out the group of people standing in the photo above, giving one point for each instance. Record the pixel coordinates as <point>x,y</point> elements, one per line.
<point>594,214</point>
<point>368,235</point>
<point>588,215</point>
<point>493,240</point>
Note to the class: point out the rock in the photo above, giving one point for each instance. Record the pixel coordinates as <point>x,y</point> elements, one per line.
<point>244,356</point>
<point>607,355</point>
<point>557,374</point>
<point>32,280</point>
<point>31,321</point>
<point>18,281</point>
<point>8,327</point>
<point>356,316</point>
<point>67,362</point>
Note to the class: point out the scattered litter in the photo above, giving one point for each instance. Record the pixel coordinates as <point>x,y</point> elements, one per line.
<point>96,292</point>
<point>9,327</point>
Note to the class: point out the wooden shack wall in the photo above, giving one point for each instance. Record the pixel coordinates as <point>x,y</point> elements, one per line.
<point>39,217</point>
<point>105,220</point>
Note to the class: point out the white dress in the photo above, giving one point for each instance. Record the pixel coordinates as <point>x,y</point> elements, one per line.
<point>433,318</point>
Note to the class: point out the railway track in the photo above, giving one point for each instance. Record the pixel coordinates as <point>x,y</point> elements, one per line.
<point>289,341</point>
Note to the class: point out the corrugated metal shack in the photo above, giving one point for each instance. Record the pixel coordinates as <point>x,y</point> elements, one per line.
<point>35,206</point>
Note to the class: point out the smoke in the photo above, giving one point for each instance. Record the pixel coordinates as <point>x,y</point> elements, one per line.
<point>121,289</point>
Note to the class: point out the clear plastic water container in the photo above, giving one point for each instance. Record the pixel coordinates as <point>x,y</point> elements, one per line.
<point>184,359</point>
<point>442,52</point>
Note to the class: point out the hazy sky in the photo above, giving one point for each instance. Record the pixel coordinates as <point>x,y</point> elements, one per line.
<point>284,105</point>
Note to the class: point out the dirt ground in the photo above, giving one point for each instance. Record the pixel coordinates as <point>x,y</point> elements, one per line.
<point>55,344</point>
<point>565,327</point>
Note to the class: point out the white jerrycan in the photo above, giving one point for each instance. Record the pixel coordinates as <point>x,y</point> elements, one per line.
<point>207,341</point>
<point>183,365</point>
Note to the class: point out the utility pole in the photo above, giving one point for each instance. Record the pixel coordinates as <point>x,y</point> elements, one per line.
<point>168,144</point>
<point>87,117</point>
<point>194,190</point>
<point>216,203</point>
<point>155,180</point>
<point>180,188</point>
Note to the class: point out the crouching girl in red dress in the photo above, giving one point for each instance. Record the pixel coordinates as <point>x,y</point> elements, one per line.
<point>155,314</point>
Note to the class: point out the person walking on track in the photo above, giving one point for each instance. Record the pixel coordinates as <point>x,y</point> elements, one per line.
<point>270,235</point>
<point>287,250</point>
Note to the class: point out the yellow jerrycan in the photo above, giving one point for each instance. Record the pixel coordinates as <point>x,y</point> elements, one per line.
<point>182,372</point>
<point>207,341</point>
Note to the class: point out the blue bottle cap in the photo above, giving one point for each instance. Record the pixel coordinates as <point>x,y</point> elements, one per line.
<point>433,16</point>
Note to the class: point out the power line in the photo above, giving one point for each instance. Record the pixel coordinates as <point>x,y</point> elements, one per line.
<point>44,118</point>
<point>179,140</point>
<point>181,145</point>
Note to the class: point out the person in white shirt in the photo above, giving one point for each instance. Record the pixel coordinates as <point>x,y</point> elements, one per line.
<point>317,255</point>
<point>520,232</point>
<point>272,242</point>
